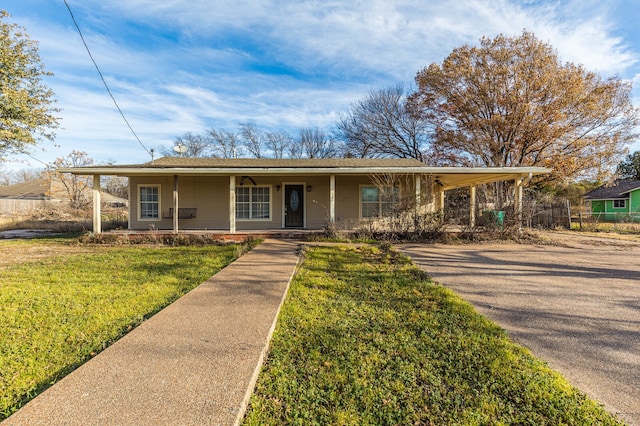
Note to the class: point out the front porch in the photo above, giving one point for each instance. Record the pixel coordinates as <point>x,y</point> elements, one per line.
<point>231,196</point>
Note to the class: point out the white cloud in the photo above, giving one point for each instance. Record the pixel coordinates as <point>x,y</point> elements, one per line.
<point>188,66</point>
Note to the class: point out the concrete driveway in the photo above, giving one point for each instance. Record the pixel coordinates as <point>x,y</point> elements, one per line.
<point>577,306</point>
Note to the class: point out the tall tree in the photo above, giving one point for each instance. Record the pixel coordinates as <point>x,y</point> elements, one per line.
<point>382,125</point>
<point>76,186</point>
<point>278,143</point>
<point>511,102</point>
<point>26,104</point>
<point>252,138</point>
<point>196,146</point>
<point>224,144</point>
<point>314,143</point>
<point>629,168</point>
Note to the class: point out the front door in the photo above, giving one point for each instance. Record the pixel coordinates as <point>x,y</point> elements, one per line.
<point>293,206</point>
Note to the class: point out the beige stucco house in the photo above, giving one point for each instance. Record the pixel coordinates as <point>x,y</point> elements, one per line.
<point>234,195</point>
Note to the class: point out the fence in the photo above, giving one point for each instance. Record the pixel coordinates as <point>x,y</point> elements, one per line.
<point>551,215</point>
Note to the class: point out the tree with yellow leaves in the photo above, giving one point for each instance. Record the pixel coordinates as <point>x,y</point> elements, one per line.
<point>511,102</point>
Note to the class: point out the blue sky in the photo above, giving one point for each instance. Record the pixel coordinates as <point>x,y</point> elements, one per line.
<point>177,66</point>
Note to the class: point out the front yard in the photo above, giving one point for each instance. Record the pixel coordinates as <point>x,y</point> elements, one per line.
<point>365,338</point>
<point>61,303</point>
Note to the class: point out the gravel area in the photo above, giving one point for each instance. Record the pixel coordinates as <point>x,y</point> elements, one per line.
<point>574,302</point>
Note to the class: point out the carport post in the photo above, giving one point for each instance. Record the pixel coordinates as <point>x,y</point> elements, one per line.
<point>472,206</point>
<point>518,200</point>
<point>97,222</point>
<point>441,202</point>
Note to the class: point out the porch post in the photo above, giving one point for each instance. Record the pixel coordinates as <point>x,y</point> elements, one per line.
<point>332,199</point>
<point>472,206</point>
<point>175,204</point>
<point>518,200</point>
<point>97,214</point>
<point>417,182</point>
<point>232,204</point>
<point>440,201</point>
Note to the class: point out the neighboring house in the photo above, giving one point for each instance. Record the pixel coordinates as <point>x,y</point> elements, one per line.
<point>24,198</point>
<point>263,194</point>
<point>620,201</point>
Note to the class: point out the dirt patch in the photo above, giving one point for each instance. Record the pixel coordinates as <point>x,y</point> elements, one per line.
<point>14,252</point>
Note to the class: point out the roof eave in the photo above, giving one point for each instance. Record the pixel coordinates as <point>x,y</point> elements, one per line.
<point>138,171</point>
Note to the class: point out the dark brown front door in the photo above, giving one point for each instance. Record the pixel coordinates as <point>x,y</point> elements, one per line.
<point>294,206</point>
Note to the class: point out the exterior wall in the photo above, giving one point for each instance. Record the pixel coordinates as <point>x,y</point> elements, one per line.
<point>210,196</point>
<point>634,199</point>
<point>604,210</point>
<point>597,206</point>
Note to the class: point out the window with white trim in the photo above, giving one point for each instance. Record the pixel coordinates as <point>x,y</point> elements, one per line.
<point>253,202</point>
<point>149,202</point>
<point>376,202</point>
<point>619,204</point>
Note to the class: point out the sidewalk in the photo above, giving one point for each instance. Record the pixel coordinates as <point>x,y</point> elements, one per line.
<point>193,363</point>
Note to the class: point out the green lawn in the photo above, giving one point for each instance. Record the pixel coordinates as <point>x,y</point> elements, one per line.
<point>58,311</point>
<point>365,338</point>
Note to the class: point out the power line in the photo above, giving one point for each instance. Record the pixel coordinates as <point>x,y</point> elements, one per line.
<point>73,18</point>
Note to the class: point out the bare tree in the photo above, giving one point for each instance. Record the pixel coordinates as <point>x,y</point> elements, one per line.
<point>224,144</point>
<point>382,125</point>
<point>253,139</point>
<point>19,176</point>
<point>197,146</point>
<point>278,143</point>
<point>116,185</point>
<point>314,143</point>
<point>76,186</point>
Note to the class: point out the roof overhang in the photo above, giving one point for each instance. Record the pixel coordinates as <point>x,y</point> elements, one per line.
<point>446,177</point>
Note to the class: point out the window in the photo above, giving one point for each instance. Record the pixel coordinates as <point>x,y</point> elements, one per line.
<point>619,204</point>
<point>149,202</point>
<point>253,202</point>
<point>375,202</point>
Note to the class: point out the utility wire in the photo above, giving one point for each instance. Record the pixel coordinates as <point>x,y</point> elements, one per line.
<point>73,18</point>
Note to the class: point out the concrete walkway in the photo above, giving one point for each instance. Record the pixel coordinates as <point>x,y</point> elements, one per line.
<point>193,363</point>
<point>577,306</point>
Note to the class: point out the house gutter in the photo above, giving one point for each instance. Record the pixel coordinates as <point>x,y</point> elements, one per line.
<point>146,171</point>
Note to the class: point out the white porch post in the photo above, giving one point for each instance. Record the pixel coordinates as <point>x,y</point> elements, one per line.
<point>440,201</point>
<point>97,214</point>
<point>518,200</point>
<point>417,179</point>
<point>175,204</point>
<point>332,199</point>
<point>472,206</point>
<point>232,204</point>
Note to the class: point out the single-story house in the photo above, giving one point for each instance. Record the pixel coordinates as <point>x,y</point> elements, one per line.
<point>24,198</point>
<point>616,202</point>
<point>234,195</point>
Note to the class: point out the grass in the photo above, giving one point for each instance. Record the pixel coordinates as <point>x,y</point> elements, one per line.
<point>365,338</point>
<point>72,301</point>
